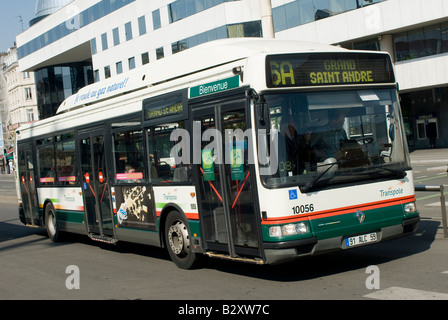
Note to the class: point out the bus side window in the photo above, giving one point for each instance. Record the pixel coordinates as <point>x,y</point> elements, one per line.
<point>162,164</point>
<point>129,157</point>
<point>65,159</point>
<point>46,161</point>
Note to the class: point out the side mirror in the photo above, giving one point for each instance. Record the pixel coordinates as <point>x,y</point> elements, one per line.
<point>392,132</point>
<point>263,113</point>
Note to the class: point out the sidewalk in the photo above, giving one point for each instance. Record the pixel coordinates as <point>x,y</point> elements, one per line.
<point>436,157</point>
<point>7,188</point>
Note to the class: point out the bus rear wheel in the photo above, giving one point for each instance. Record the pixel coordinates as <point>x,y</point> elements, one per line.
<point>51,224</point>
<point>177,239</point>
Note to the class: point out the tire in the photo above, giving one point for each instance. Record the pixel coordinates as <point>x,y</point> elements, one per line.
<point>177,239</point>
<point>51,224</point>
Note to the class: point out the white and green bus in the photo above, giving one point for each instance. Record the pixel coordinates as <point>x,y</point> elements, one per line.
<point>253,150</point>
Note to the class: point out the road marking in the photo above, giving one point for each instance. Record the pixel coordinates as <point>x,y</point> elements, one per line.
<point>438,176</point>
<point>437,194</point>
<point>435,204</point>
<point>398,293</point>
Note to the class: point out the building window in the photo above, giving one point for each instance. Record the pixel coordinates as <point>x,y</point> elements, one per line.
<point>96,75</point>
<point>287,16</point>
<point>142,25</point>
<point>156,19</point>
<point>247,29</point>
<point>93,46</point>
<point>160,53</point>
<point>131,62</point>
<point>298,12</point>
<point>116,35</point>
<point>91,14</point>
<point>104,41</point>
<point>145,58</point>
<point>421,42</point>
<point>371,44</point>
<point>107,72</point>
<point>181,9</point>
<point>29,115</point>
<point>119,66</point>
<point>421,130</point>
<point>28,95</point>
<point>128,30</point>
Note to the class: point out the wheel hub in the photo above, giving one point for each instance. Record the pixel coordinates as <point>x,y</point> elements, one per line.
<point>178,238</point>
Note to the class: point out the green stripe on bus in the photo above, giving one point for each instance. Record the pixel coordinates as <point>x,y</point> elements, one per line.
<point>70,216</point>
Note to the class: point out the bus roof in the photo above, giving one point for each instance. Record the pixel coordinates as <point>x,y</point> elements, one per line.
<point>196,59</point>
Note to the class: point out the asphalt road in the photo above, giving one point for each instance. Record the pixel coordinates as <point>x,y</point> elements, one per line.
<point>414,267</point>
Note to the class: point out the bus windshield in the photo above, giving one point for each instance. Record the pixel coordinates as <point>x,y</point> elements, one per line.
<point>336,137</point>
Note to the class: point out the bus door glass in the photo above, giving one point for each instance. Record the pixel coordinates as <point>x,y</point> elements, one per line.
<point>28,184</point>
<point>95,183</point>
<point>228,213</point>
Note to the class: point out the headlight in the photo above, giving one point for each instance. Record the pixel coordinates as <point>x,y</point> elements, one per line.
<point>288,229</point>
<point>275,231</point>
<point>410,207</point>
<point>302,227</point>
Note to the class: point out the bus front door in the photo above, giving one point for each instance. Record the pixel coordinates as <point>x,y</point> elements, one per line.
<point>225,180</point>
<point>95,184</point>
<point>26,161</point>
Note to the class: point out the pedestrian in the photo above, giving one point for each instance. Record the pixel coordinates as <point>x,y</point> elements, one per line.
<point>431,133</point>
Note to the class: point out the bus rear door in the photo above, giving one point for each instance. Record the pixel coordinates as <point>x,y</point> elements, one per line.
<point>227,207</point>
<point>95,184</point>
<point>28,185</point>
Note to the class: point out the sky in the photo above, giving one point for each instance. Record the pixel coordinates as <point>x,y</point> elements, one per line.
<point>10,25</point>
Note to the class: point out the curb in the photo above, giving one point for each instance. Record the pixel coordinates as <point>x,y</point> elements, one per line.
<point>9,199</point>
<point>438,169</point>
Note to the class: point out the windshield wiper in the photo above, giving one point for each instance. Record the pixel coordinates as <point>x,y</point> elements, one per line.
<point>311,184</point>
<point>400,173</point>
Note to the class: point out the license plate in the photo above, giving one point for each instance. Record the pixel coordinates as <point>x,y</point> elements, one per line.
<point>361,239</point>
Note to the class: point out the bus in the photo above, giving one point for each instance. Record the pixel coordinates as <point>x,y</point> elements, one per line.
<point>254,150</point>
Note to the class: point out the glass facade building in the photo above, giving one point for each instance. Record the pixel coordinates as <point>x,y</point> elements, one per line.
<point>56,83</point>
<point>299,12</point>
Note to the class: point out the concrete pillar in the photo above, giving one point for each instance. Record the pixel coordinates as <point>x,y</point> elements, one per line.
<point>267,24</point>
<point>387,44</point>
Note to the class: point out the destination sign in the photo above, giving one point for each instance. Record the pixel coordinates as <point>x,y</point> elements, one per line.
<point>319,69</point>
<point>168,108</point>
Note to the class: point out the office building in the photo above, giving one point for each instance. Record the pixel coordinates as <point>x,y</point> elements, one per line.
<point>87,41</point>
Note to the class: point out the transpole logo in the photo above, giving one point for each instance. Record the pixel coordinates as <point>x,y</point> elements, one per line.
<point>70,197</point>
<point>393,191</point>
<point>170,196</point>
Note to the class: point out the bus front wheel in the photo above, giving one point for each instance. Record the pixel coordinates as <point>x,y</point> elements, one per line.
<point>177,239</point>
